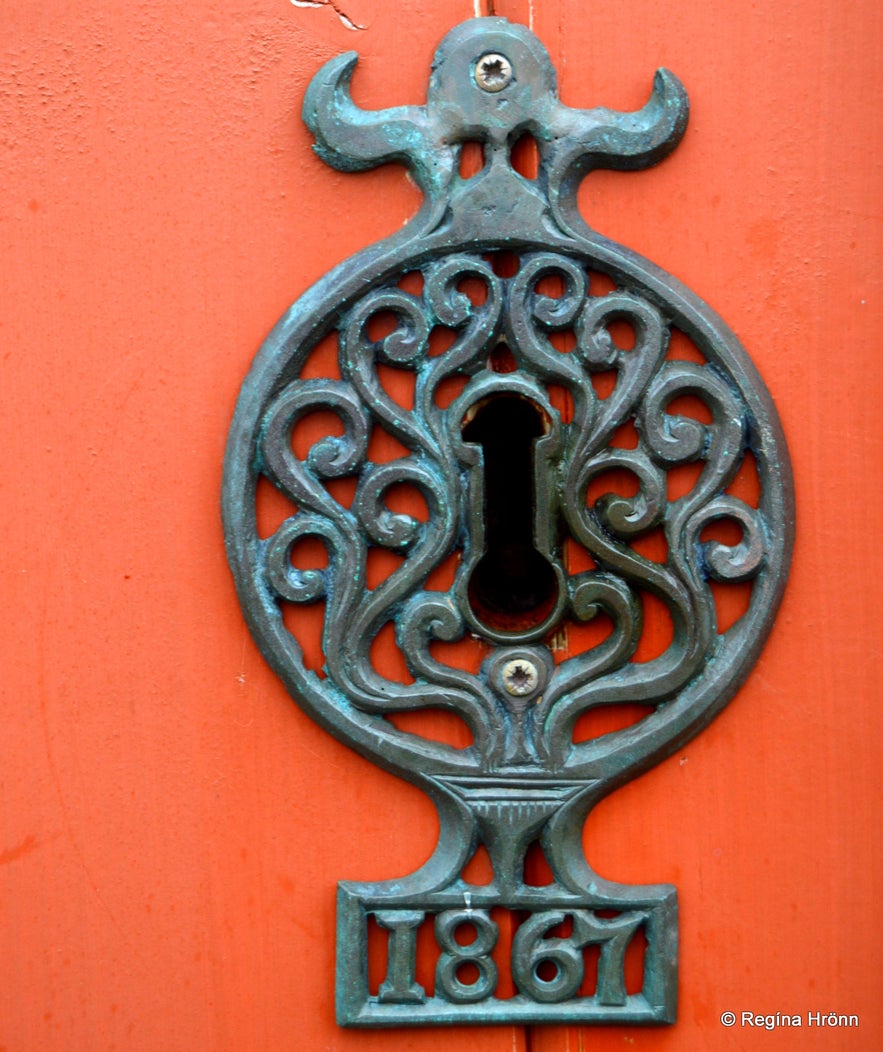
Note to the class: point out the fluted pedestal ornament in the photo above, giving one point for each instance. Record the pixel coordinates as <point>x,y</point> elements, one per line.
<point>505,312</point>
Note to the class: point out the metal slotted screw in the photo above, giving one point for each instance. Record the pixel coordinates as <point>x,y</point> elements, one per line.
<point>493,72</point>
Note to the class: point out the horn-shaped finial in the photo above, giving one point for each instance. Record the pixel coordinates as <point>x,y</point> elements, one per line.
<point>352,139</point>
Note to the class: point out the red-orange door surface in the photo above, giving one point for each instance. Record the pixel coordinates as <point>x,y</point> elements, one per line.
<point>172,827</point>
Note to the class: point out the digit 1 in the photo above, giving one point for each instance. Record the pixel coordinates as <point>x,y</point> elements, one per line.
<point>400,985</point>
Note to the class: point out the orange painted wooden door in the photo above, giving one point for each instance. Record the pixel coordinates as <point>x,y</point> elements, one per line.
<point>172,827</point>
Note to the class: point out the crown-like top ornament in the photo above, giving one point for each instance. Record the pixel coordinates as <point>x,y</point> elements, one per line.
<point>491,82</point>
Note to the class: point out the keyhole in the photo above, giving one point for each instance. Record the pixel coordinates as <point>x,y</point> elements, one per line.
<point>513,587</point>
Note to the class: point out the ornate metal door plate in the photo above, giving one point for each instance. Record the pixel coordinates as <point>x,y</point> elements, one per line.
<point>512,470</point>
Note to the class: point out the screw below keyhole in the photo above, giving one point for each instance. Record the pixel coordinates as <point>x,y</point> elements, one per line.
<point>520,677</point>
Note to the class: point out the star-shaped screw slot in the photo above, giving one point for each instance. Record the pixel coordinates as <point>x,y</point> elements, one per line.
<point>493,72</point>
<point>520,678</point>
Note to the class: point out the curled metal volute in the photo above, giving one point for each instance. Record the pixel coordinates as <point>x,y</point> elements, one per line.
<point>352,139</point>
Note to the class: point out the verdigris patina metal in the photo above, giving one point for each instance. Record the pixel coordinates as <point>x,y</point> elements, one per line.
<point>546,406</point>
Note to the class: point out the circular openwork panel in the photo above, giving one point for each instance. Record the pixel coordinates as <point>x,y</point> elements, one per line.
<point>531,452</point>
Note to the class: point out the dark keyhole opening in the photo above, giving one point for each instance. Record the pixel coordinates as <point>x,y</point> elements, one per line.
<point>513,587</point>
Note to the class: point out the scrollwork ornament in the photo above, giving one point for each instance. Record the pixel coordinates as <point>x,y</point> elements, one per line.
<point>572,485</point>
